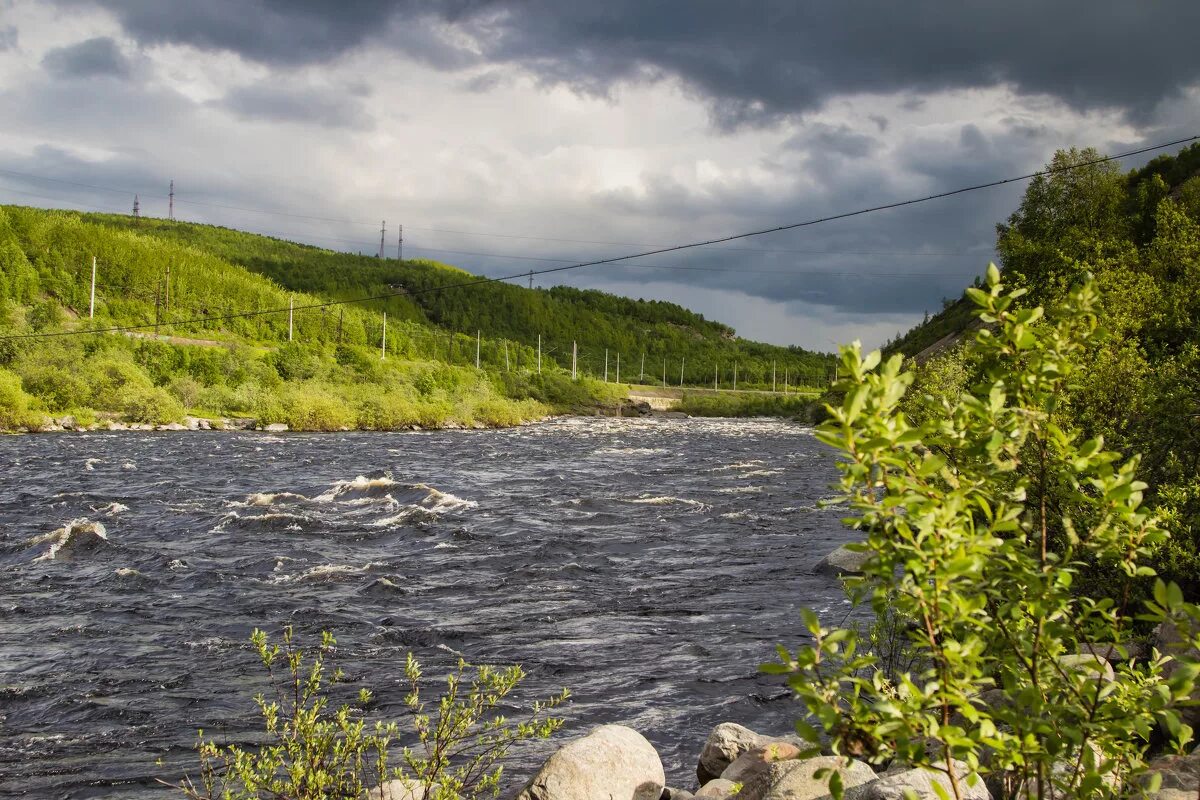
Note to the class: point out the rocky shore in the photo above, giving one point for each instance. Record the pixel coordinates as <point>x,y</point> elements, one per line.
<point>614,762</point>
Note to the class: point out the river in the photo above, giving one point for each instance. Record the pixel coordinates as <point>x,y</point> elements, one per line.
<point>647,565</point>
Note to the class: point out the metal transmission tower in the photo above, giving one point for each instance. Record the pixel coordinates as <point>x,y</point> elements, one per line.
<point>136,207</point>
<point>171,202</point>
<point>382,233</point>
<point>400,244</point>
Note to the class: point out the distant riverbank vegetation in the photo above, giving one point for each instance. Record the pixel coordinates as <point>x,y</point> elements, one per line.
<point>210,341</point>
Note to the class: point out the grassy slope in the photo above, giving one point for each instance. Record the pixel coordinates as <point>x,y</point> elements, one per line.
<point>332,375</point>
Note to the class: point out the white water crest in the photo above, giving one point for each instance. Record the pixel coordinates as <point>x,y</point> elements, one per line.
<point>76,536</point>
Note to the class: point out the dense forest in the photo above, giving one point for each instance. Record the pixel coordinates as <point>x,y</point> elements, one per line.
<point>206,330</point>
<point>1138,234</point>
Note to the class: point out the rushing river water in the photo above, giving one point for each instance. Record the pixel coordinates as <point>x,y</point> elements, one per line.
<point>647,565</point>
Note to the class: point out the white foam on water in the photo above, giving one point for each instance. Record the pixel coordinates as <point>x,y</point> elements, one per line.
<point>127,572</point>
<point>129,466</point>
<point>445,546</point>
<point>111,509</point>
<point>667,500</point>
<point>736,515</point>
<point>361,484</point>
<point>327,573</point>
<point>631,451</point>
<point>76,534</point>
<point>738,465</point>
<point>760,473</point>
<point>91,463</point>
<point>177,564</point>
<point>740,490</point>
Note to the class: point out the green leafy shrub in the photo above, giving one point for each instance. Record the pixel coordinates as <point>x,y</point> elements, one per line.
<point>58,388</point>
<point>15,404</point>
<point>313,752</point>
<point>969,544</point>
<point>296,362</point>
<point>187,390</point>
<point>312,407</point>
<point>152,404</point>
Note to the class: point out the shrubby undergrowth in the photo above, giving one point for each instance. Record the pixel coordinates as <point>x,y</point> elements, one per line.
<point>980,513</point>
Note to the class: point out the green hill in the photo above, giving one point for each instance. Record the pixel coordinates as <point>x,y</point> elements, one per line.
<point>213,343</point>
<point>1138,234</point>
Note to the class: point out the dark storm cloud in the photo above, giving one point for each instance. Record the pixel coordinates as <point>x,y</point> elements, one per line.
<point>339,107</point>
<point>8,38</point>
<point>91,58</point>
<point>753,62</point>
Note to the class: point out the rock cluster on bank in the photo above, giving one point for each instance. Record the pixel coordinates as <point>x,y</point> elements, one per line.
<point>614,762</point>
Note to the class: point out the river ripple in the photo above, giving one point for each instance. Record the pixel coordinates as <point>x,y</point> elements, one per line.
<point>648,565</point>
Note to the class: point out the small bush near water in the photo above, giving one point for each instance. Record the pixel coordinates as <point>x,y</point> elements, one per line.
<point>314,752</point>
<point>979,516</point>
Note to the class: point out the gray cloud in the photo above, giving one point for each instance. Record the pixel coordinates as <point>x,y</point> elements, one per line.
<point>327,107</point>
<point>8,38</point>
<point>99,57</point>
<point>753,62</point>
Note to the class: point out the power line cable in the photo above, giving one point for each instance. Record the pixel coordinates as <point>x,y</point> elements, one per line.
<point>629,257</point>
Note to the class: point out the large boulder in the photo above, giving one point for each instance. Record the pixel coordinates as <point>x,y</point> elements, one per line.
<point>1095,666</point>
<point>612,761</point>
<point>843,561</point>
<point>758,759</point>
<point>796,779</point>
<point>398,789</point>
<point>896,785</point>
<point>725,743</point>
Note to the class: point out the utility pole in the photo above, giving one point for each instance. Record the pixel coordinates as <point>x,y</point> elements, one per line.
<point>383,339</point>
<point>716,371</point>
<point>735,376</point>
<point>682,361</point>
<point>606,365</point>
<point>539,354</point>
<point>92,305</point>
<point>785,380</point>
<point>167,291</point>
<point>289,317</point>
<point>478,338</point>
<point>382,233</point>
<point>618,367</point>
<point>531,279</point>
<point>664,373</point>
<point>506,367</point>
<point>642,374</point>
<point>772,375</point>
<point>171,202</point>
<point>341,313</point>
<point>400,245</point>
<point>574,358</point>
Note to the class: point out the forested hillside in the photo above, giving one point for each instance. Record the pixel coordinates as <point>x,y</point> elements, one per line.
<point>1138,233</point>
<point>209,338</point>
<point>560,315</point>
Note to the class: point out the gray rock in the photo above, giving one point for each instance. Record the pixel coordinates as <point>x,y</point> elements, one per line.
<point>725,743</point>
<point>757,760</point>
<point>920,781</point>
<point>172,426</point>
<point>1179,773</point>
<point>671,793</point>
<point>1086,662</point>
<point>796,779</point>
<point>398,789</point>
<point>276,427</point>
<point>204,424</point>
<point>719,788</point>
<point>843,562</point>
<point>1170,641</point>
<point>1108,650</point>
<point>611,761</point>
<point>67,421</point>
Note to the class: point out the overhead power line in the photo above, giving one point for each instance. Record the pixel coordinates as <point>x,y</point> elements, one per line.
<point>629,257</point>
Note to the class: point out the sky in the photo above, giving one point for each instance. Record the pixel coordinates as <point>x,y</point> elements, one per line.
<point>513,135</point>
